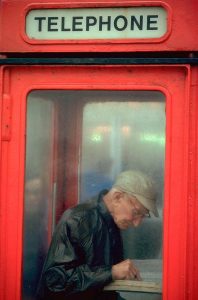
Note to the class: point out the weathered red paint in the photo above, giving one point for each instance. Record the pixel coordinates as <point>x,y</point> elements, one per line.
<point>178,83</point>
<point>181,170</point>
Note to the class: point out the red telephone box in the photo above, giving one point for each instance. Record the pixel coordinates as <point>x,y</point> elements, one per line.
<point>89,89</point>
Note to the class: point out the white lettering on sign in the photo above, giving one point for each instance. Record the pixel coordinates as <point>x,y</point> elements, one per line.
<point>96,23</point>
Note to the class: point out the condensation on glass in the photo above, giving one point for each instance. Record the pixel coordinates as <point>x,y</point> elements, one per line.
<point>37,206</point>
<point>77,142</point>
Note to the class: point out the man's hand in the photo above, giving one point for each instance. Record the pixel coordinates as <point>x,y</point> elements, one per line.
<point>125,270</point>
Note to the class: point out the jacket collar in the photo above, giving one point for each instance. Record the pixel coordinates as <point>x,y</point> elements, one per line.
<point>103,209</point>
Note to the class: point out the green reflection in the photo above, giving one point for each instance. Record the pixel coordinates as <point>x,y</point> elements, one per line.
<point>153,138</point>
<point>97,138</point>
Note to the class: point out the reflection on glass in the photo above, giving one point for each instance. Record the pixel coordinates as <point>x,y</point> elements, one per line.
<point>121,135</point>
<point>77,142</point>
<point>128,133</point>
<point>37,191</point>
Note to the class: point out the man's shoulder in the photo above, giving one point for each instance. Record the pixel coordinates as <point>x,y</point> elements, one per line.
<point>82,219</point>
<point>81,212</point>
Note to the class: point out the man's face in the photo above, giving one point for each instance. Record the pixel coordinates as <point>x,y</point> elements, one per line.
<point>128,211</point>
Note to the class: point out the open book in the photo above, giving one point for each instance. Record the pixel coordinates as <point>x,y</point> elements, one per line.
<point>151,273</point>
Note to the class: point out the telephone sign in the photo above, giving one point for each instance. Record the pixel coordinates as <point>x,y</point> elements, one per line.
<point>96,23</point>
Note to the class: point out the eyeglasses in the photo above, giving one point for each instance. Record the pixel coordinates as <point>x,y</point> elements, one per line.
<point>138,214</point>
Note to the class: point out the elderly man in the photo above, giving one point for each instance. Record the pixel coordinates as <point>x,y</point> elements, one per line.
<point>86,249</point>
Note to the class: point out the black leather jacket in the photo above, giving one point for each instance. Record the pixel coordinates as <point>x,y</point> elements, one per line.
<point>84,247</point>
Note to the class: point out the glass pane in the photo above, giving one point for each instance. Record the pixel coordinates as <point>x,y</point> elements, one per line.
<point>77,142</point>
<point>37,210</point>
<point>52,154</point>
<point>128,133</point>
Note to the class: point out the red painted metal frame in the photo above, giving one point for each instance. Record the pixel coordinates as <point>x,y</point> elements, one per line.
<point>181,34</point>
<point>180,244</point>
<point>192,228</point>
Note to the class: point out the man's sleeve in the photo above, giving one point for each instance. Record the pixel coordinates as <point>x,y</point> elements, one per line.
<point>66,272</point>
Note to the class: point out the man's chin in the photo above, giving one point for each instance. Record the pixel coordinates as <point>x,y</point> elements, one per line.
<point>124,225</point>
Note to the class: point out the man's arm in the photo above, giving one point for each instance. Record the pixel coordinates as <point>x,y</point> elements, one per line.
<point>66,269</point>
<point>76,279</point>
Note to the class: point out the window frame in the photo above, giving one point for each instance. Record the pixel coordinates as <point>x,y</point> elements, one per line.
<point>173,81</point>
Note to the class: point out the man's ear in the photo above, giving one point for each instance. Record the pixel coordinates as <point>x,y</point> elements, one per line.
<point>117,196</point>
